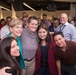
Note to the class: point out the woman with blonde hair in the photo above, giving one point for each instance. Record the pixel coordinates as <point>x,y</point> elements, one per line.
<point>16,31</point>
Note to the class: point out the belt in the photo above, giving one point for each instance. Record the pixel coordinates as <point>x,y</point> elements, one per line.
<point>29,60</point>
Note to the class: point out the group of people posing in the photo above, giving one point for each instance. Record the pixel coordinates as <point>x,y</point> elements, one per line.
<point>34,50</point>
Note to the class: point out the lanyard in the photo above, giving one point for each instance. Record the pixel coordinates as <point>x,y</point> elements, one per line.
<point>62,27</point>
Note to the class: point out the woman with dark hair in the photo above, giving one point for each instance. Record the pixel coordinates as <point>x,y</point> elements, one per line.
<point>9,50</point>
<point>45,62</point>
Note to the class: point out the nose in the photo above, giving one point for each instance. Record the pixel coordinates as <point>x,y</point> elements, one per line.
<point>42,34</point>
<point>58,41</point>
<point>20,29</point>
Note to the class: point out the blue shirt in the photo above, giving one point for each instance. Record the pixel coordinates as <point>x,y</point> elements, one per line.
<point>68,30</point>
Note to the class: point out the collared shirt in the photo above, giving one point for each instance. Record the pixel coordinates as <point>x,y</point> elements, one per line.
<point>4,31</point>
<point>29,43</point>
<point>68,30</point>
<point>67,57</point>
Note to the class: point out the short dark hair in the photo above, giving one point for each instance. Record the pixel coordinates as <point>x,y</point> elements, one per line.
<point>5,56</point>
<point>54,19</point>
<point>8,17</point>
<point>32,17</point>
<point>58,33</point>
<point>23,13</point>
<point>44,15</point>
<point>2,20</point>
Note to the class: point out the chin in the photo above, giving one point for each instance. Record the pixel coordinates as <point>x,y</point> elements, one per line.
<point>17,55</point>
<point>62,23</point>
<point>33,30</point>
<point>19,35</point>
<point>43,38</point>
<point>60,46</point>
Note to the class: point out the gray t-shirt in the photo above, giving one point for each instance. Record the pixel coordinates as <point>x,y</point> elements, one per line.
<point>29,43</point>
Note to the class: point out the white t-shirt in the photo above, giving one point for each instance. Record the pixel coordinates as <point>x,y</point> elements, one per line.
<point>4,31</point>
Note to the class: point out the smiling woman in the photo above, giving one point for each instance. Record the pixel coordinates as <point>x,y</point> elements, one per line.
<point>9,50</point>
<point>45,61</point>
<point>14,49</point>
<point>16,30</point>
<point>16,27</point>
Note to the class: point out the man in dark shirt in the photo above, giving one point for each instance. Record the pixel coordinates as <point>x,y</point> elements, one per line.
<point>65,55</point>
<point>54,25</point>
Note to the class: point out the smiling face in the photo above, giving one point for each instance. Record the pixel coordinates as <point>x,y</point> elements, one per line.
<point>33,25</point>
<point>14,49</point>
<point>63,18</point>
<point>3,22</point>
<point>42,33</point>
<point>60,41</point>
<point>16,30</point>
<point>55,23</point>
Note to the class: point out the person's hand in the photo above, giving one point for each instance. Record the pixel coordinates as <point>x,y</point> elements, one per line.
<point>51,33</point>
<point>2,71</point>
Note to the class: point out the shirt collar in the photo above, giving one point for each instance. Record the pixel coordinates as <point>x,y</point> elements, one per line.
<point>65,24</point>
<point>31,34</point>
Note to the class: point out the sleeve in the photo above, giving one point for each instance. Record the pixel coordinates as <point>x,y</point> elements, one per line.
<point>74,46</point>
<point>73,33</point>
<point>56,55</point>
<point>3,33</point>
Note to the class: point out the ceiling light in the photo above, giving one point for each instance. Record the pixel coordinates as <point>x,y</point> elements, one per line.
<point>4,8</point>
<point>28,6</point>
